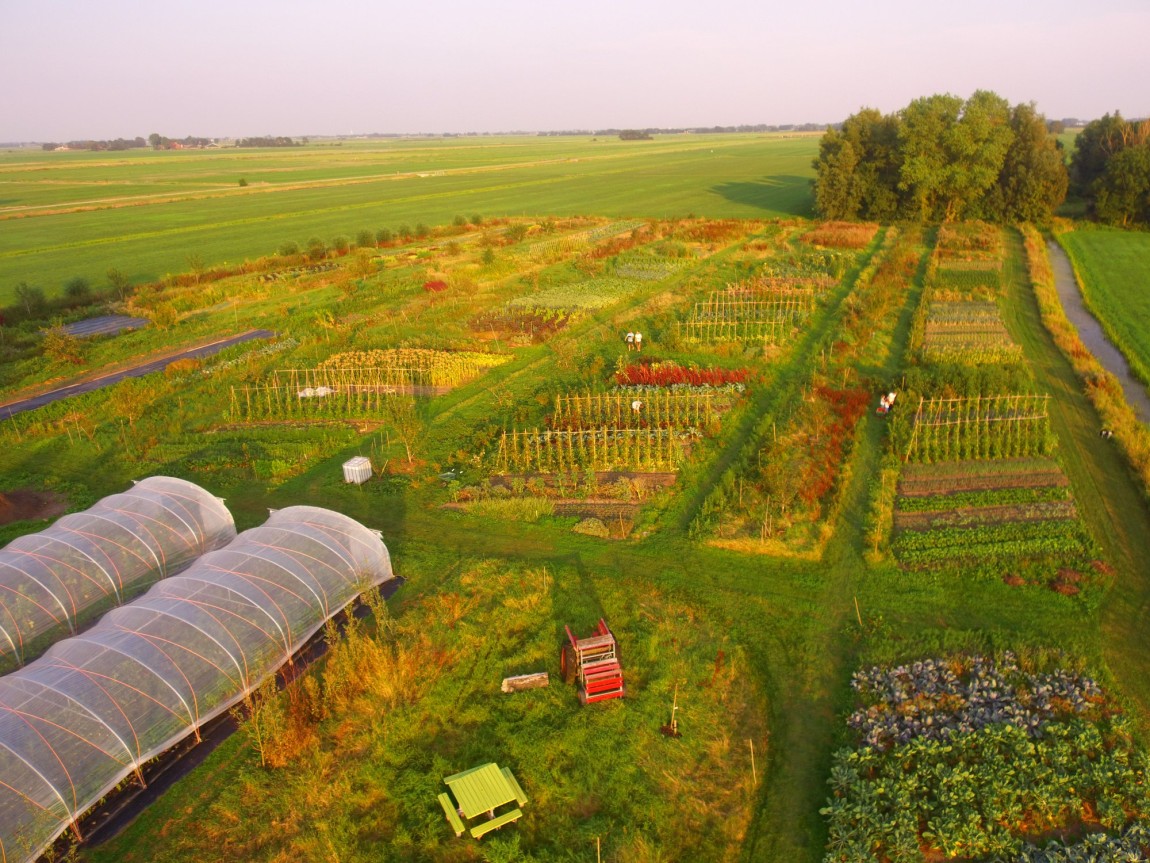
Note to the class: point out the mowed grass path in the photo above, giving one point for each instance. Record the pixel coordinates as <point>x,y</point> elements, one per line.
<point>78,214</point>
<point>1113,268</point>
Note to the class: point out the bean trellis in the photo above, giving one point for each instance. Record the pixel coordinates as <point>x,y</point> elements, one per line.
<point>745,312</point>
<point>547,451</point>
<point>341,389</point>
<point>1006,426</point>
<point>656,409</point>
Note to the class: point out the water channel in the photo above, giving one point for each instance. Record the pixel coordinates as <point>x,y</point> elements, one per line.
<point>1092,334</point>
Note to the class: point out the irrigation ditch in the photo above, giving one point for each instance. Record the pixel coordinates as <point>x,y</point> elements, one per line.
<point>1092,334</point>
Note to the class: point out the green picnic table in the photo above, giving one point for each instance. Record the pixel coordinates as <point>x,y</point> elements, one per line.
<point>478,791</point>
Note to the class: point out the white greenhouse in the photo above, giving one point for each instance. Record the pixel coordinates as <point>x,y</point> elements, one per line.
<point>97,706</point>
<point>54,581</point>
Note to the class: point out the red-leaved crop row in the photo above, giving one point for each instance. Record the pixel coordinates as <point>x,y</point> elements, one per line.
<point>669,374</point>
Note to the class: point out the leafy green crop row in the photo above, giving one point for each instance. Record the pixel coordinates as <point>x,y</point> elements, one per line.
<point>983,497</point>
<point>949,545</point>
<point>971,793</point>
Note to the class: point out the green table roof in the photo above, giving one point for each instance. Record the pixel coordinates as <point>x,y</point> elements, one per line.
<point>480,789</point>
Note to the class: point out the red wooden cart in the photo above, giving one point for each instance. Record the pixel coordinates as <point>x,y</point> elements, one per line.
<point>594,661</point>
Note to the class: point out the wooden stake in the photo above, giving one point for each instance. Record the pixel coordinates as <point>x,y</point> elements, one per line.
<point>754,773</point>
<point>598,855</point>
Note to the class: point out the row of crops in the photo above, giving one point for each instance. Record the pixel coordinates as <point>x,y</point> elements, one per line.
<point>596,449</point>
<point>781,494</point>
<point>754,311</point>
<point>594,293</point>
<point>544,311</point>
<point>358,384</point>
<point>979,483</point>
<point>982,427</point>
<point>971,757</point>
<point>959,319</point>
<point>967,331</point>
<point>639,429</point>
<point>661,408</point>
<point>967,262</point>
<point>770,308</point>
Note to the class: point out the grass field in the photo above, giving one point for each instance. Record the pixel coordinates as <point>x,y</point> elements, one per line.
<point>69,215</point>
<point>1113,268</point>
<point>761,645</point>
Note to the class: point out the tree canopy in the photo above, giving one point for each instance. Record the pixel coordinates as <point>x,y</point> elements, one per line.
<point>1111,169</point>
<point>941,158</point>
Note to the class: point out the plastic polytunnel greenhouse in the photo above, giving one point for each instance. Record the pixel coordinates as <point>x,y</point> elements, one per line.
<point>53,581</point>
<point>97,706</point>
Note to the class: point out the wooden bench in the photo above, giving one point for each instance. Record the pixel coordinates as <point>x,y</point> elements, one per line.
<point>452,816</point>
<point>514,783</point>
<point>495,823</point>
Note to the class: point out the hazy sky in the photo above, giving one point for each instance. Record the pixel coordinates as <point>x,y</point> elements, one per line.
<point>107,68</point>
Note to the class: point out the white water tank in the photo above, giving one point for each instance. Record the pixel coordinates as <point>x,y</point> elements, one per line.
<point>357,470</point>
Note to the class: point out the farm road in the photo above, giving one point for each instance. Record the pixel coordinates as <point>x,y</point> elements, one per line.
<point>106,380</point>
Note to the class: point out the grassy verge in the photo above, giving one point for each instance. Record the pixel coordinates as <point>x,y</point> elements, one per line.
<point>1113,267</point>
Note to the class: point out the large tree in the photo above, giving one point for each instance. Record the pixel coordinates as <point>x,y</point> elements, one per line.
<point>837,192</point>
<point>952,152</point>
<point>857,168</point>
<point>941,158</point>
<point>1122,193</point>
<point>1097,144</point>
<point>1033,179</point>
<point>1109,169</point>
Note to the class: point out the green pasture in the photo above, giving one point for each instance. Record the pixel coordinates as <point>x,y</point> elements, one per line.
<point>78,214</point>
<point>791,631</point>
<point>1113,267</point>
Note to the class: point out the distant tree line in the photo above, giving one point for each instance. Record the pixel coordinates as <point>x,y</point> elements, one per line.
<point>1111,169</point>
<point>635,135</point>
<point>679,130</point>
<point>942,158</point>
<point>268,141</point>
<point>117,144</point>
<point>160,142</point>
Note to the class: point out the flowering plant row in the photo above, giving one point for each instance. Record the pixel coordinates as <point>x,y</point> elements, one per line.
<point>670,373</point>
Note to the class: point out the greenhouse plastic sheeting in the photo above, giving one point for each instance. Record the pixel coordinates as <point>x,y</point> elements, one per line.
<point>53,581</point>
<point>97,706</point>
